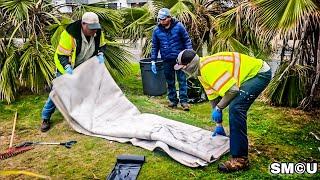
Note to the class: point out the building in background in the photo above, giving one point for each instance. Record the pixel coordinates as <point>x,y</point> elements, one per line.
<point>122,3</point>
<point>136,3</point>
<point>63,9</point>
<point>113,4</point>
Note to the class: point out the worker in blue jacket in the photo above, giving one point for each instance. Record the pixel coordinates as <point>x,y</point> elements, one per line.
<point>170,38</point>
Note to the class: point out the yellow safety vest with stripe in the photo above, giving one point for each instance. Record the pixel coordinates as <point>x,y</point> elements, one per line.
<point>67,47</point>
<point>219,72</point>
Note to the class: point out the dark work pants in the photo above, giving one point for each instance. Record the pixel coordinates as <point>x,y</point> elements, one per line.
<point>170,75</point>
<point>238,109</point>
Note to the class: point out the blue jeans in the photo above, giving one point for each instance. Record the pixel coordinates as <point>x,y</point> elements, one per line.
<point>49,107</point>
<point>170,75</point>
<point>238,109</point>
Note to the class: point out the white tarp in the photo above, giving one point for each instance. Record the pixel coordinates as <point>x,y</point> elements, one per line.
<point>94,105</point>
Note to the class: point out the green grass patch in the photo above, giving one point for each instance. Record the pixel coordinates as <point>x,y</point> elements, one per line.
<point>275,134</point>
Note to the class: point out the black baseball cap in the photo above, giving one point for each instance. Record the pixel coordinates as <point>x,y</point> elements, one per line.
<point>185,57</point>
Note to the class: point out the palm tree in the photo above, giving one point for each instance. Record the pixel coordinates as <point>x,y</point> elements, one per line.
<point>138,25</point>
<point>30,64</point>
<point>300,21</point>
<point>251,26</point>
<point>26,65</point>
<point>235,32</point>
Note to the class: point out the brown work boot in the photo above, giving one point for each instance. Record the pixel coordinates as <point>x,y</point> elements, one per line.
<point>185,106</point>
<point>172,105</point>
<point>234,164</point>
<point>45,126</point>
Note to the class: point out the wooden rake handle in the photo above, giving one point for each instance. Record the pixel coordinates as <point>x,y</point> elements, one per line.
<point>13,129</point>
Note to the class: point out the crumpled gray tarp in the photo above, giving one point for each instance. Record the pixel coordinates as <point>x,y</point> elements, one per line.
<point>94,105</point>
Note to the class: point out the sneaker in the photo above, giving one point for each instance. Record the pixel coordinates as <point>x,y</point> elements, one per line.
<point>185,106</point>
<point>234,164</point>
<point>172,105</point>
<point>45,126</point>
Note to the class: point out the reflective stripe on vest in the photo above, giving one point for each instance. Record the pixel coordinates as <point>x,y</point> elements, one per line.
<point>234,59</point>
<point>209,91</point>
<point>67,51</point>
<point>221,81</point>
<point>64,50</point>
<point>73,41</point>
<point>206,86</point>
<point>216,58</point>
<point>236,67</point>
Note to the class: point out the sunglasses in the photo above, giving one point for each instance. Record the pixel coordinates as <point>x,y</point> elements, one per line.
<point>164,18</point>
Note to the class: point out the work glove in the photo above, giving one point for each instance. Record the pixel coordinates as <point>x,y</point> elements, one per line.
<point>153,67</point>
<point>219,130</point>
<point>216,115</point>
<point>68,69</point>
<point>100,57</point>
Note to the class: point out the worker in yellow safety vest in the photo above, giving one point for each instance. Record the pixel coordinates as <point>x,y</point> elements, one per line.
<point>80,41</point>
<point>234,79</point>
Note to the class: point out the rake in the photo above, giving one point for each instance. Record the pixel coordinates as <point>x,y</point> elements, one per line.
<point>26,146</point>
<point>12,151</point>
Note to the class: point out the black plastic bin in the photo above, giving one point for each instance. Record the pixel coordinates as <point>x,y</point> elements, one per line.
<point>153,84</point>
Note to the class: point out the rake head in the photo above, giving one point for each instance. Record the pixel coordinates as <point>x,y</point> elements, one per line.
<point>14,151</point>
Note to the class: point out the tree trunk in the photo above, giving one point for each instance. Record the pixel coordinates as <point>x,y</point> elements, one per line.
<point>293,48</point>
<point>316,80</point>
<point>283,50</point>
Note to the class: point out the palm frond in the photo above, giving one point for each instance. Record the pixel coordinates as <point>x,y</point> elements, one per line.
<point>111,20</point>
<point>283,14</point>
<point>32,64</point>
<point>158,4</point>
<point>142,25</point>
<point>36,65</point>
<point>117,60</point>
<point>239,28</point>
<point>290,88</point>
<point>182,12</point>
<point>8,74</point>
<point>239,47</point>
<point>283,18</point>
<point>16,10</point>
<point>27,18</point>
<point>146,49</point>
<point>132,14</point>
<point>3,51</point>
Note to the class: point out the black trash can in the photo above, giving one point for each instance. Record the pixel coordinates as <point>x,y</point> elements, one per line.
<point>153,84</point>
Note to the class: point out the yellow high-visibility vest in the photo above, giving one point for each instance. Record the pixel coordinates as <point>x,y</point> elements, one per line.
<point>67,47</point>
<point>219,72</point>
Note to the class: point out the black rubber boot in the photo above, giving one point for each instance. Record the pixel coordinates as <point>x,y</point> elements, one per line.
<point>45,126</point>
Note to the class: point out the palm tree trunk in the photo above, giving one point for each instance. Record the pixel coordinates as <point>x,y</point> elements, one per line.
<point>316,80</point>
<point>293,48</point>
<point>307,102</point>
<point>283,50</point>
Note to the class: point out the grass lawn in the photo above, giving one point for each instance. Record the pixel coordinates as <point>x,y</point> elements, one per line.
<point>275,134</point>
